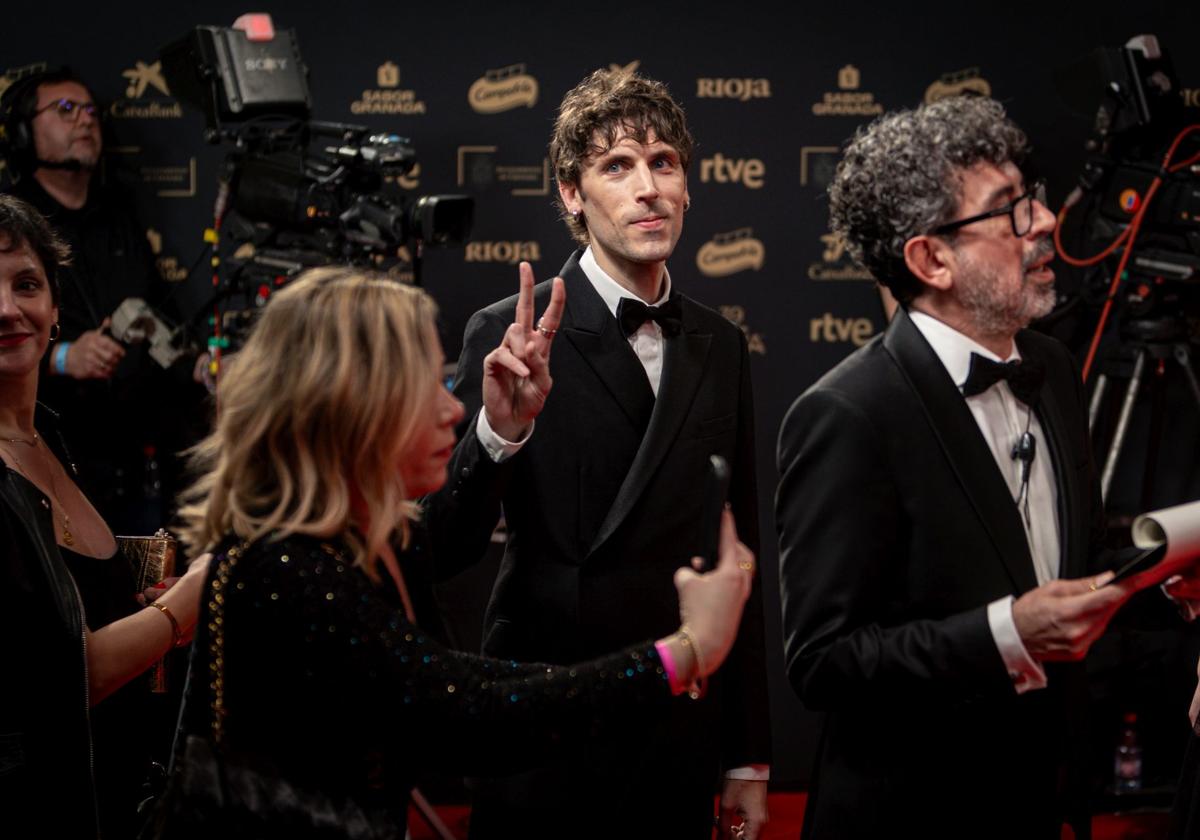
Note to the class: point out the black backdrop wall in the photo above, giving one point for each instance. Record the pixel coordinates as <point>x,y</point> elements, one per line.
<point>770,93</point>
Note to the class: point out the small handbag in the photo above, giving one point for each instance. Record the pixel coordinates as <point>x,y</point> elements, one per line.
<point>151,559</point>
<point>216,791</point>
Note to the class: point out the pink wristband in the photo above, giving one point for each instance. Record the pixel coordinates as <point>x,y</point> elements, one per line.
<point>668,661</point>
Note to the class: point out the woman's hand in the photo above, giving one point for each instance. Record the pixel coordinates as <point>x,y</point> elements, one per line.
<point>710,605</point>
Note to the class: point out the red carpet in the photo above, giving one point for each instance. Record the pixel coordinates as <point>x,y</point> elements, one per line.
<point>787,813</point>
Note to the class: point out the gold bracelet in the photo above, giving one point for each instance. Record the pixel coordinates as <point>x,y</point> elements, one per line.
<point>176,634</point>
<point>699,683</point>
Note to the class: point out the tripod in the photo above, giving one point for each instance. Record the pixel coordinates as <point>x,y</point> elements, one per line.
<point>1158,340</point>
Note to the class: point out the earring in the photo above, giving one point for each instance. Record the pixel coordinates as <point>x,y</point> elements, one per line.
<point>576,215</point>
<point>687,205</point>
<point>55,331</point>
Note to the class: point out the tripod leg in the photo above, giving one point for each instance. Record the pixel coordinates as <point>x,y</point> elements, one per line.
<point>1183,357</point>
<point>1097,398</point>
<point>1114,450</point>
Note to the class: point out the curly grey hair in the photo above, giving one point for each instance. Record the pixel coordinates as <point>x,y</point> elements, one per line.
<point>901,177</point>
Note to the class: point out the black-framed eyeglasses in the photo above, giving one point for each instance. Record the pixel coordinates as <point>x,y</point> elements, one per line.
<point>1019,212</point>
<point>69,109</point>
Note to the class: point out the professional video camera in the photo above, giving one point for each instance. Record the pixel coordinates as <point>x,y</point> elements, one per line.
<point>304,192</point>
<point>1137,237</point>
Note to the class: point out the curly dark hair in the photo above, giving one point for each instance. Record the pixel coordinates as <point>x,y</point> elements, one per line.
<point>21,224</point>
<point>901,177</point>
<point>596,110</point>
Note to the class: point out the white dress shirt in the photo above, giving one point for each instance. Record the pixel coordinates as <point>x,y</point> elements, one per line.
<point>1002,419</point>
<point>649,345</point>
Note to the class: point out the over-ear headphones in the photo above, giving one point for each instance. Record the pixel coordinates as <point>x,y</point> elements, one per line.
<point>17,105</point>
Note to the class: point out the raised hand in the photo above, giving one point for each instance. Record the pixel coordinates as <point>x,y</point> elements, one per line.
<point>516,375</point>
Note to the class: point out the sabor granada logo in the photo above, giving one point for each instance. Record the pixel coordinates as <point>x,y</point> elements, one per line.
<point>143,78</point>
<point>743,89</point>
<point>958,82</point>
<point>388,97</point>
<point>835,263</point>
<point>729,253</point>
<point>511,252</point>
<point>503,89</point>
<point>848,100</point>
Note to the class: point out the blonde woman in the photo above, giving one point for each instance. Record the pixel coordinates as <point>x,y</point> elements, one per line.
<point>314,687</point>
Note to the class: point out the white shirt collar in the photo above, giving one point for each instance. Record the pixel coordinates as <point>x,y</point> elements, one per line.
<point>952,347</point>
<point>609,289</point>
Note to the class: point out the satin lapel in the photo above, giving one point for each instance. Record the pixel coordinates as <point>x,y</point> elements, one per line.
<point>593,331</point>
<point>1071,505</point>
<point>683,369</point>
<point>965,449</point>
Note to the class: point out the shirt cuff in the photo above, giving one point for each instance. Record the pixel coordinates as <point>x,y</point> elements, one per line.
<point>750,773</point>
<point>497,448</point>
<point>1026,674</point>
<point>1188,608</point>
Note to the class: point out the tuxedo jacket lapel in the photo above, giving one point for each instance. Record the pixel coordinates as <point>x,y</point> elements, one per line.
<point>593,331</point>
<point>683,370</point>
<point>968,454</point>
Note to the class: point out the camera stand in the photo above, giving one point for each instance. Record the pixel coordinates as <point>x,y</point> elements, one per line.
<point>1155,340</point>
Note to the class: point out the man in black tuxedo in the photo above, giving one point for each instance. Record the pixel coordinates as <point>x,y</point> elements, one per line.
<point>937,509</point>
<point>602,500</point>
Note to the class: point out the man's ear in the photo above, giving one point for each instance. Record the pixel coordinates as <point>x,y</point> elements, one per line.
<point>571,199</point>
<point>931,261</point>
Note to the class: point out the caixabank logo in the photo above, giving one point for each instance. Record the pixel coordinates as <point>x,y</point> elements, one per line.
<point>835,262</point>
<point>736,314</point>
<point>503,89</point>
<point>388,97</point>
<point>731,252</point>
<point>147,96</point>
<point>957,83</point>
<point>848,100</point>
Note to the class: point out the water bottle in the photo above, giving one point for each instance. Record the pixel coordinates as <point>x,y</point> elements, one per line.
<point>1127,761</point>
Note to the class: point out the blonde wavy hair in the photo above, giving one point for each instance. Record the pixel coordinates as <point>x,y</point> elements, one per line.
<point>319,406</point>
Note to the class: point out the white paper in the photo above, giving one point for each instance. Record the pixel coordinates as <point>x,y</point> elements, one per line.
<point>1179,529</point>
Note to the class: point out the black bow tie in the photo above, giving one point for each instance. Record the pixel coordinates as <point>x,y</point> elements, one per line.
<point>1024,377</point>
<point>632,313</point>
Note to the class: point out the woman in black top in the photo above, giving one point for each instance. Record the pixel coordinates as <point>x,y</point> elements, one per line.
<point>310,667</point>
<point>58,663</point>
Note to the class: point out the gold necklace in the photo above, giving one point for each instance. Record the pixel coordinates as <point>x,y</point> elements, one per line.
<point>67,537</point>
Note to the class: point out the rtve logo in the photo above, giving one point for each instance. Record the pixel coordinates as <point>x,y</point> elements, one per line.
<point>833,330</point>
<point>747,171</point>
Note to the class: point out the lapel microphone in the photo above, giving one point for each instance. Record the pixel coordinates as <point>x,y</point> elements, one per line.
<point>1024,451</point>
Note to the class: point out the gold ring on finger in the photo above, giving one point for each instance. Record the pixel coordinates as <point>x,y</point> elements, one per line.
<point>746,565</point>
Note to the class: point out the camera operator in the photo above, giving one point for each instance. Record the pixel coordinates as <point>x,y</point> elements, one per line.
<point>112,398</point>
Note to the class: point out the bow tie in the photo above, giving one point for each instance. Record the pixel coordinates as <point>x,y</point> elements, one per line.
<point>631,314</point>
<point>1024,377</point>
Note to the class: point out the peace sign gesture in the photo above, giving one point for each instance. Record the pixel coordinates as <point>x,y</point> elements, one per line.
<point>516,375</point>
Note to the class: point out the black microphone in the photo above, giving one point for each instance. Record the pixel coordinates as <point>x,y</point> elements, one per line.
<point>1024,451</point>
<point>71,165</point>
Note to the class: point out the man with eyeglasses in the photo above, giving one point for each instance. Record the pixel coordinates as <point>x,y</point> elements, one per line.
<point>937,510</point>
<point>105,393</point>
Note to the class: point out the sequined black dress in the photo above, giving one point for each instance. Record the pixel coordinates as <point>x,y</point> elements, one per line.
<point>324,675</point>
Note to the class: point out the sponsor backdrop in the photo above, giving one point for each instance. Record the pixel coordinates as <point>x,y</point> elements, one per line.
<point>771,95</point>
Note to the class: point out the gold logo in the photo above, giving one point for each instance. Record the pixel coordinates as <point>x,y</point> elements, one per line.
<point>835,262</point>
<point>503,89</point>
<point>833,330</point>
<point>388,98</point>
<point>168,267</point>
<point>511,252</point>
<point>1191,97</point>
<point>629,68</point>
<point>848,100</point>
<point>410,180</point>
<point>729,253</point>
<point>817,165</point>
<point>387,75</point>
<point>742,89</point>
<point>173,179</point>
<point>737,316</point>
<point>958,82</point>
<point>142,79</point>
<point>746,171</point>
<point>478,169</point>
